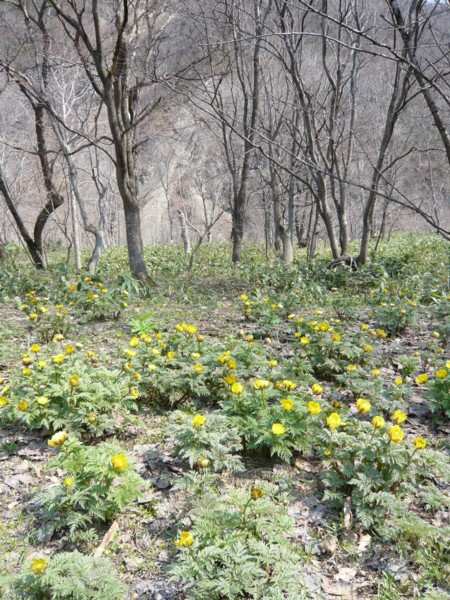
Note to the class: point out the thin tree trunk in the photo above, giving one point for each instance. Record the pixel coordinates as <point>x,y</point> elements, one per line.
<point>35,253</point>
<point>184,233</point>
<point>75,232</point>
<point>97,252</point>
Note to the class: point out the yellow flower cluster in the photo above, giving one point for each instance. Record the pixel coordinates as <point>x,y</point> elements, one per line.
<point>186,328</point>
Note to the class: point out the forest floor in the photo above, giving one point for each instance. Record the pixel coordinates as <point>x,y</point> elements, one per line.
<point>340,559</point>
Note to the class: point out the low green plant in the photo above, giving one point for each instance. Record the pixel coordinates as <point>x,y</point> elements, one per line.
<point>438,391</point>
<point>46,319</point>
<point>94,300</point>
<point>96,483</point>
<point>66,576</point>
<point>395,317</point>
<point>62,387</point>
<point>369,466</point>
<point>208,441</point>
<point>238,547</point>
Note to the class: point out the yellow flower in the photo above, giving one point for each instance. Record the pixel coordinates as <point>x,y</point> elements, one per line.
<point>287,404</point>
<point>152,367</point>
<point>363,406</point>
<point>42,400</point>
<point>230,379</point>
<point>198,368</point>
<point>378,422</point>
<point>27,359</point>
<point>58,439</point>
<point>35,348</point>
<point>171,355</point>
<point>33,316</point>
<point>91,418</point>
<point>129,353</point>
<point>23,406</point>
<point>237,388</point>
<point>286,384</point>
<point>256,493</point>
<point>58,359</point>
<point>27,372</point>
<point>316,389</point>
<point>305,340</point>
<point>72,288</point>
<point>243,298</point>
<point>420,443</point>
<point>68,482</point>
<point>447,364</point>
<point>380,333</point>
<point>336,338</point>
<point>69,349</point>
<point>3,401</point>
<point>134,342</point>
<point>198,421</point>
<point>441,373</point>
<point>396,434</point>
<point>324,326</point>
<point>203,462</point>
<point>222,359</point>
<point>399,417</point>
<point>351,368</point>
<point>119,463</point>
<point>422,378</point>
<point>398,380</point>
<point>134,393</point>
<point>261,384</point>
<point>314,408</point>
<point>375,372</point>
<point>74,381</point>
<point>368,348</point>
<point>231,363</point>
<point>39,565</point>
<point>58,337</point>
<point>272,363</point>
<point>364,327</point>
<point>278,429</point>
<point>195,355</point>
<point>334,421</point>
<point>185,540</point>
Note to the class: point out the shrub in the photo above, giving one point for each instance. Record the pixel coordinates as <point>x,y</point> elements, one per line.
<point>67,576</point>
<point>371,464</point>
<point>61,387</point>
<point>97,482</point>
<point>238,547</point>
<point>206,441</point>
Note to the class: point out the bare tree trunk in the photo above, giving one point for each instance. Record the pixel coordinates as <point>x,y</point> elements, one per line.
<point>184,233</point>
<point>97,252</point>
<point>312,243</point>
<point>237,232</point>
<point>75,232</point>
<point>35,253</point>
